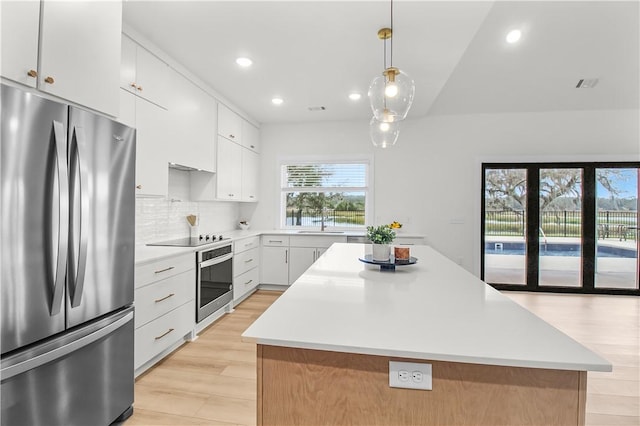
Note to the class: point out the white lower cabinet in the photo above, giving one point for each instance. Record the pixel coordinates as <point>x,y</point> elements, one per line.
<point>165,307</point>
<point>306,249</point>
<point>285,258</point>
<point>156,337</point>
<point>275,260</point>
<point>301,259</point>
<point>246,271</point>
<point>244,284</point>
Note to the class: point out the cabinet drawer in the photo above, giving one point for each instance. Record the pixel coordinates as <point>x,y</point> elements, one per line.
<point>275,240</point>
<point>165,268</point>
<point>246,244</point>
<point>316,240</point>
<point>158,335</point>
<point>245,283</point>
<point>245,261</point>
<point>155,300</point>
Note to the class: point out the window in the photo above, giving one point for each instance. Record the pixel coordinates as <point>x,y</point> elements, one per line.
<point>566,227</point>
<point>320,194</point>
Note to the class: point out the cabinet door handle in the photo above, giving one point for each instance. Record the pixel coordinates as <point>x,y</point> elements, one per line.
<point>164,334</point>
<point>248,282</point>
<point>232,136</point>
<point>275,241</point>
<point>247,261</point>
<point>164,270</point>
<point>251,196</point>
<point>138,186</point>
<point>49,80</point>
<point>133,85</point>
<point>32,73</point>
<point>286,256</point>
<point>165,298</point>
<point>248,244</point>
<point>139,88</point>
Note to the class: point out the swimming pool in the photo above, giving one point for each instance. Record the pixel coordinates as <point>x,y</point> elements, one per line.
<point>557,249</point>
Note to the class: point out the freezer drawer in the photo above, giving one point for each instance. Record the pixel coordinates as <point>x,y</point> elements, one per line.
<point>92,366</point>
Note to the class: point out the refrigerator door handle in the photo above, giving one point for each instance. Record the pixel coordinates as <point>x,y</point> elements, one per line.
<point>59,138</point>
<point>77,282</point>
<point>57,353</point>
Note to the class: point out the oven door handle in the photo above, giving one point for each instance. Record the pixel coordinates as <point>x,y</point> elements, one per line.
<point>215,260</point>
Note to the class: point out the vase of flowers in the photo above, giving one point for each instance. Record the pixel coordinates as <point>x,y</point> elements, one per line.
<point>380,237</point>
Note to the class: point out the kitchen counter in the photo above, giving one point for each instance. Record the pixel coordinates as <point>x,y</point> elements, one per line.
<point>344,318</point>
<point>146,254</point>
<point>431,310</point>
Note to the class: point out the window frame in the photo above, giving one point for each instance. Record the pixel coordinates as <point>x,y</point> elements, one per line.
<point>367,160</point>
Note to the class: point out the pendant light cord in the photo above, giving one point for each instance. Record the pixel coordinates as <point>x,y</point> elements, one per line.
<point>391,38</point>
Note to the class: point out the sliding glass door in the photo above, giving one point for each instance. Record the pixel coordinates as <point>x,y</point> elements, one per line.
<point>617,228</point>
<point>505,206</point>
<point>560,235</point>
<point>567,227</point>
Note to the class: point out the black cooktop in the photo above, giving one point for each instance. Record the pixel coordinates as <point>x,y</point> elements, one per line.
<point>187,242</point>
<point>182,242</point>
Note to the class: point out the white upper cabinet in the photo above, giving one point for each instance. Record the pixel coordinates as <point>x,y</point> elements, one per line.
<point>79,49</point>
<point>192,124</point>
<point>80,52</point>
<point>229,124</point>
<point>143,73</point>
<point>250,167</point>
<point>19,37</point>
<point>152,143</point>
<point>250,136</point>
<point>229,173</point>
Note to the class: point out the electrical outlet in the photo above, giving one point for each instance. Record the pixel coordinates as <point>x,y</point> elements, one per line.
<point>404,376</point>
<point>410,375</point>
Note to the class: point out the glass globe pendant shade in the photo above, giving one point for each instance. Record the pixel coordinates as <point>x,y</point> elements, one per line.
<point>391,95</point>
<point>383,133</point>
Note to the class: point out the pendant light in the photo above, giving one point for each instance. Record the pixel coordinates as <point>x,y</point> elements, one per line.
<point>390,93</point>
<point>384,133</point>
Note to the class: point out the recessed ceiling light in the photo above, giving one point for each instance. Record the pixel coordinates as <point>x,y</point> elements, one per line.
<point>514,36</point>
<point>355,96</point>
<point>244,62</point>
<point>277,101</point>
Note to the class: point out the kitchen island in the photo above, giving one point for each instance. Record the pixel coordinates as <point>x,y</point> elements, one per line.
<point>325,345</point>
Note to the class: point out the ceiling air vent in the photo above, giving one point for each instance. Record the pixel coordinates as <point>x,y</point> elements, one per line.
<point>316,108</point>
<point>587,83</point>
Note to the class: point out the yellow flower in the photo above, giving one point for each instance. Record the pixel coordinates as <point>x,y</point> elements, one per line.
<point>395,225</point>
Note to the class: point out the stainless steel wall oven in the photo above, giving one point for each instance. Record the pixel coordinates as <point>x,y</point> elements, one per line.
<point>214,284</point>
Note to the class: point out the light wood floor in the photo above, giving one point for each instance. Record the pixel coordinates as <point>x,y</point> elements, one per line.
<point>212,381</point>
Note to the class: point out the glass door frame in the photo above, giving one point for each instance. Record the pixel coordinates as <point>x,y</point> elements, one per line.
<point>589,228</point>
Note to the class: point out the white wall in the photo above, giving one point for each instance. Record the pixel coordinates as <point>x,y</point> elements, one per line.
<point>431,178</point>
<point>160,219</point>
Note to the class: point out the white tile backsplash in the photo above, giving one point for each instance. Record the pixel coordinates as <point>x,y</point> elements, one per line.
<point>159,219</point>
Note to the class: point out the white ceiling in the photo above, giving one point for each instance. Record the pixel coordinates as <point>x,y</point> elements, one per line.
<point>314,53</point>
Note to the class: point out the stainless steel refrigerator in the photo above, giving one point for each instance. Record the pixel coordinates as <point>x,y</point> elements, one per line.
<point>67,258</point>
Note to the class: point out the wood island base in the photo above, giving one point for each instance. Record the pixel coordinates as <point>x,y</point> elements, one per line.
<point>313,387</point>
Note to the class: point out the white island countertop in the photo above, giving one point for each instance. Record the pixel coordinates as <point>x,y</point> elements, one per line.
<point>433,310</point>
